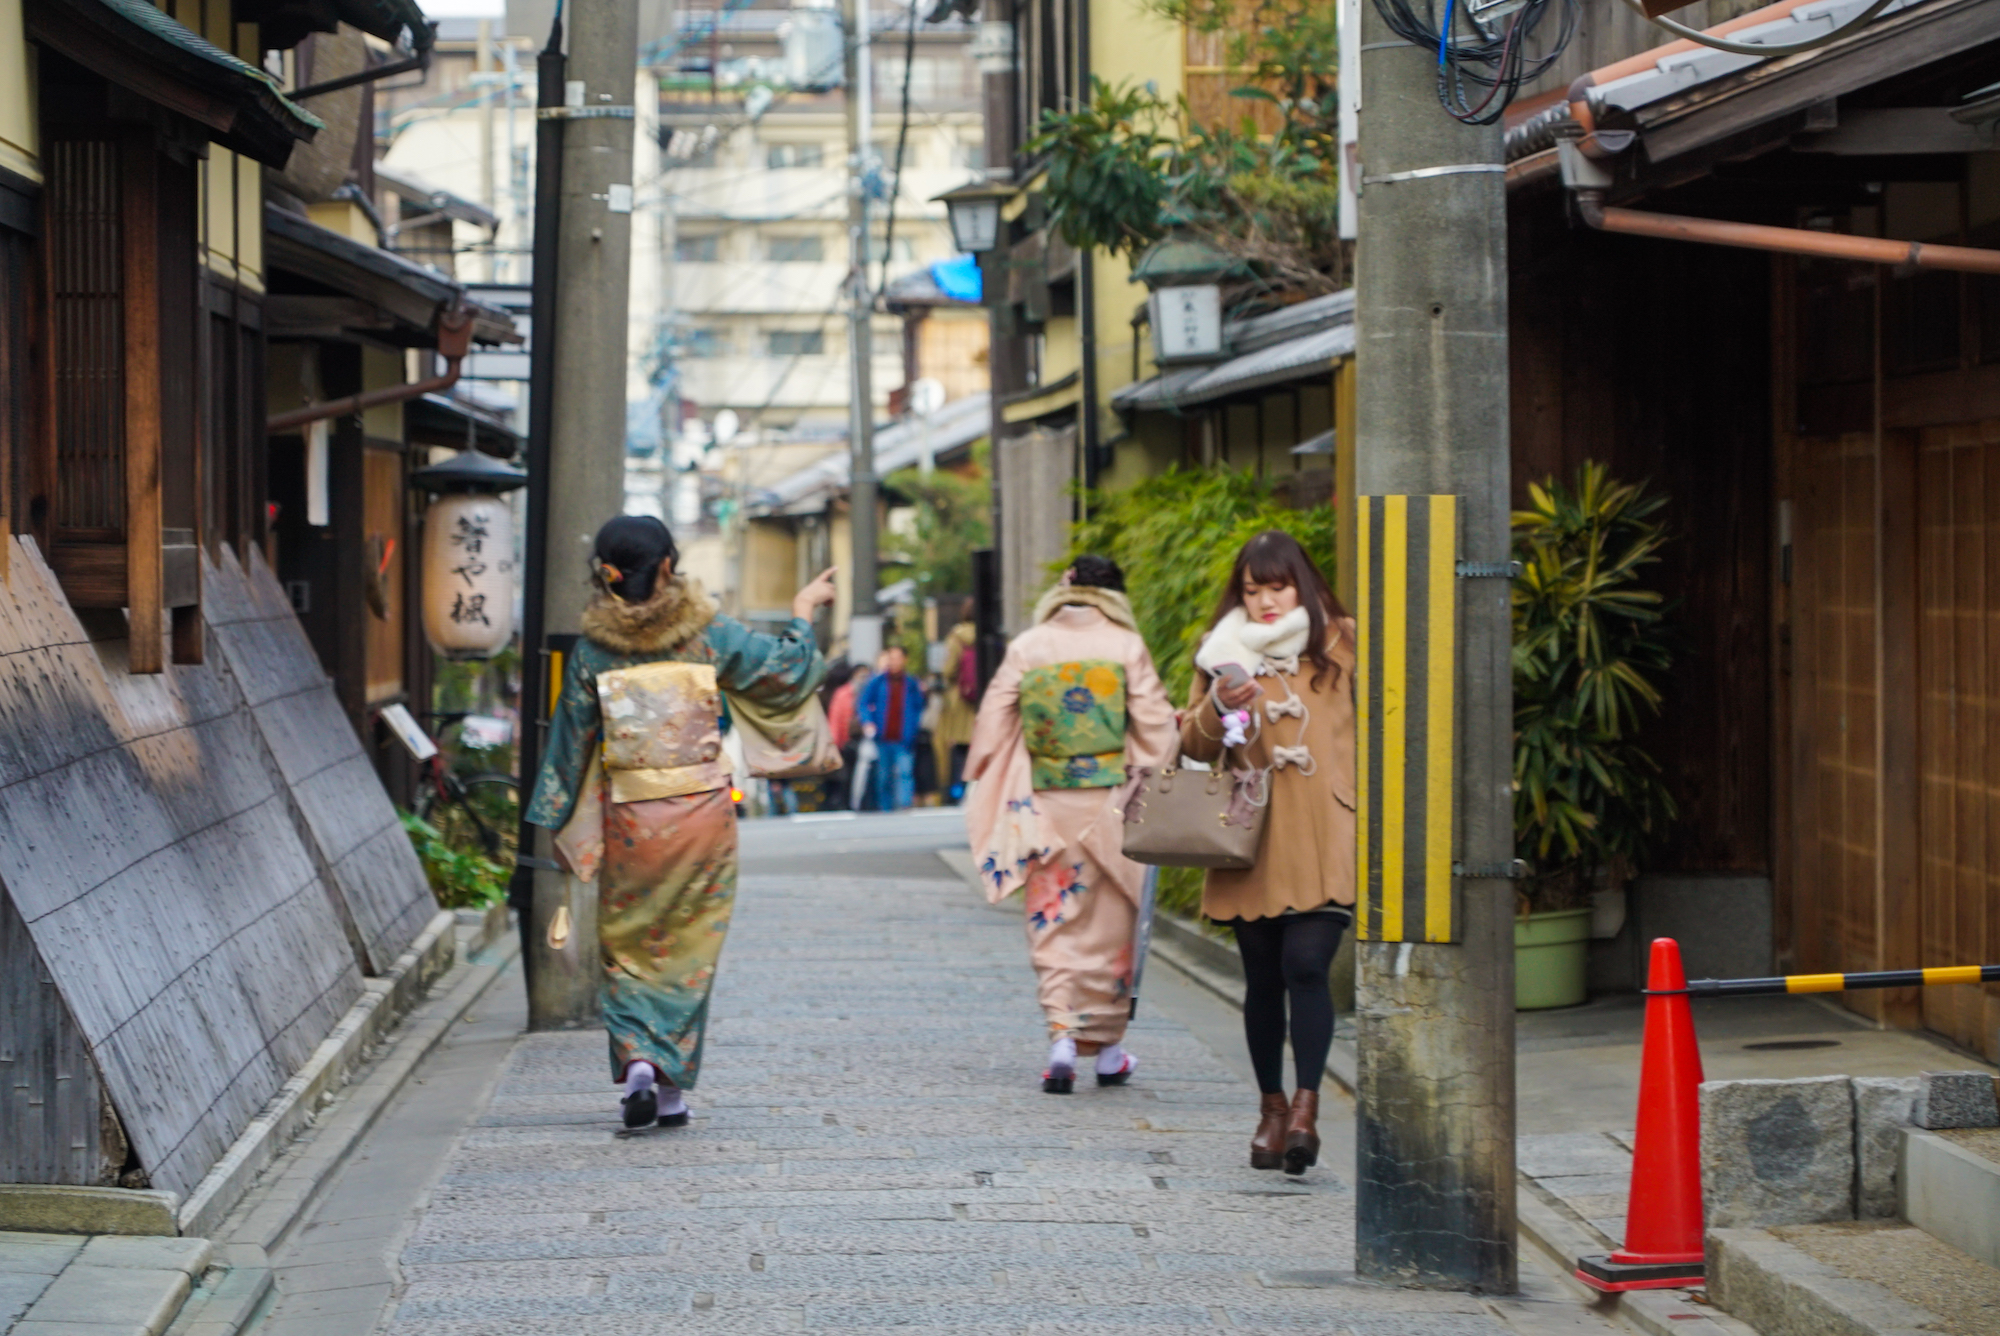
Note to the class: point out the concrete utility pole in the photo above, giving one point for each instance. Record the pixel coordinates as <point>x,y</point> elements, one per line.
<point>864,625</point>
<point>483,63</point>
<point>1435,1173</point>
<point>1006,358</point>
<point>584,484</point>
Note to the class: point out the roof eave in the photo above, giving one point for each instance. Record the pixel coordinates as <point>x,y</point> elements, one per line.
<point>146,50</point>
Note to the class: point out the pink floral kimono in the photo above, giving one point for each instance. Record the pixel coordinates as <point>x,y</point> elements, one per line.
<point>1076,700</point>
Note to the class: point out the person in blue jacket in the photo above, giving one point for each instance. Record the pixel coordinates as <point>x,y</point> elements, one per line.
<point>890,710</point>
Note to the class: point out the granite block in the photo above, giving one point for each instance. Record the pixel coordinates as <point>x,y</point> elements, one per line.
<point>1883,1106</point>
<point>1956,1099</point>
<point>1777,1152</point>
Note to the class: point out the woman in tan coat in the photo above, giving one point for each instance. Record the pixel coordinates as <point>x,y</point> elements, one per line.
<point>1276,670</point>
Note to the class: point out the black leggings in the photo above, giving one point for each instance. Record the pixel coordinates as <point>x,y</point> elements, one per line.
<point>1288,955</point>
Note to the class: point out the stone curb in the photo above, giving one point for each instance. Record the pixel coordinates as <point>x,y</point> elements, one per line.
<point>384,1001</point>
<point>53,1208</point>
<point>229,1297</point>
<point>269,1211</point>
<point>1561,1238</point>
<point>485,925</point>
<point>120,1284</point>
<point>1785,1292</point>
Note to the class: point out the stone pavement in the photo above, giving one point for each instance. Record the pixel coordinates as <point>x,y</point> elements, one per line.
<point>871,1150</point>
<point>57,1285</point>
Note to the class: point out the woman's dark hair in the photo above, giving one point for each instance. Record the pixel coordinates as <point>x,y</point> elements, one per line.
<point>628,556</point>
<point>1095,572</point>
<point>1274,557</point>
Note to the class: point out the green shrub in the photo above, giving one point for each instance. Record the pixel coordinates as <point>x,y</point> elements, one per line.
<point>1590,647</point>
<point>460,879</point>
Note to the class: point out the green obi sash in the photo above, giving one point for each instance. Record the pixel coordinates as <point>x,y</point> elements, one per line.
<point>1073,715</point>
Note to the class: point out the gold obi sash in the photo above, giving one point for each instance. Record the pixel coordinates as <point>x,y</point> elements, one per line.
<point>662,731</point>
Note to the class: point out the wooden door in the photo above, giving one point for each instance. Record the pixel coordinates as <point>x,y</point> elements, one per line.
<point>1958,751</point>
<point>1831,809</point>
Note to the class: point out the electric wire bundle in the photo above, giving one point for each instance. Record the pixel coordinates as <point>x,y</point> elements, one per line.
<point>1482,45</point>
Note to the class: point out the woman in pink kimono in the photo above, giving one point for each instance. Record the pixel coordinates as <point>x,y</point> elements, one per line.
<point>1076,700</point>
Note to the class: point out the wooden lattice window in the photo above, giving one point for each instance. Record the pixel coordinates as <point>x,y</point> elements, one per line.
<point>123,467</point>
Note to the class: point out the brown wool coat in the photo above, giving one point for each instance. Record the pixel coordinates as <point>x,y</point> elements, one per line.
<point>1307,858</point>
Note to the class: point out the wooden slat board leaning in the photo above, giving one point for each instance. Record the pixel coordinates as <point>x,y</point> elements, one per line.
<point>180,856</point>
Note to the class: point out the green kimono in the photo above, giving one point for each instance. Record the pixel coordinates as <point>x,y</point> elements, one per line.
<point>668,875</point>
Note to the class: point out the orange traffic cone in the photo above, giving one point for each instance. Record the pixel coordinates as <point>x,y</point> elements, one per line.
<point>1663,1248</point>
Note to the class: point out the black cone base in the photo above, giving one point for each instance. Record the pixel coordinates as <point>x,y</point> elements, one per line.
<point>1601,1273</point>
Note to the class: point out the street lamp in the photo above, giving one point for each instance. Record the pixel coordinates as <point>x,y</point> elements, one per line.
<point>1184,273</point>
<point>468,570</point>
<point>974,209</point>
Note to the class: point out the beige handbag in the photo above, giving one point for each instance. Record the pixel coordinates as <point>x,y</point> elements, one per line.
<point>1197,818</point>
<point>793,745</point>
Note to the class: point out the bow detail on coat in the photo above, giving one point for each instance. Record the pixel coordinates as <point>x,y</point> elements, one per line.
<point>1299,756</point>
<point>1278,709</point>
<point>1275,665</point>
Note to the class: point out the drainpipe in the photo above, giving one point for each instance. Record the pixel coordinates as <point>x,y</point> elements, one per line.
<point>1786,240</point>
<point>454,335</point>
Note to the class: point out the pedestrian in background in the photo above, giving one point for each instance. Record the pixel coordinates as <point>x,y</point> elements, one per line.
<point>958,703</point>
<point>643,807</point>
<point>891,711</point>
<point>1281,648</point>
<point>840,722</point>
<point>1076,701</point>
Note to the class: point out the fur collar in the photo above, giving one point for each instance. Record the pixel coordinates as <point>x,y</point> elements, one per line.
<point>679,610</point>
<point>1110,602</point>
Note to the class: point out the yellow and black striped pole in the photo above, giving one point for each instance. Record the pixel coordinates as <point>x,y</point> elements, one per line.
<point>1406,596</point>
<point>1842,983</point>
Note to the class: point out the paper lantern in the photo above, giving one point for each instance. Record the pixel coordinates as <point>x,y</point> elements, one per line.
<point>469,575</point>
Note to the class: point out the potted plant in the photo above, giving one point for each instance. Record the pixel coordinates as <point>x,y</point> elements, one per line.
<point>1590,646</point>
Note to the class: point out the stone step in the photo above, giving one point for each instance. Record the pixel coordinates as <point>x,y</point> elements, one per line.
<point>1949,1184</point>
<point>1851,1278</point>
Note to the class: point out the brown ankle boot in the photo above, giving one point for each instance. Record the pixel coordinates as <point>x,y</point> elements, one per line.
<point>1302,1132</point>
<point>1267,1148</point>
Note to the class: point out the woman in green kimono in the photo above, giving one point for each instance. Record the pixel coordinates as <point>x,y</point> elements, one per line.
<point>635,781</point>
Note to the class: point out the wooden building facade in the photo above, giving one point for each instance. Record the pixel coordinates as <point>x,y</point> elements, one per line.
<point>1829,432</point>
<point>199,864</point>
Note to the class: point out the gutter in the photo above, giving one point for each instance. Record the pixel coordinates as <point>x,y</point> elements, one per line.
<point>1784,240</point>
<point>454,331</point>
<point>422,37</point>
<point>1588,182</point>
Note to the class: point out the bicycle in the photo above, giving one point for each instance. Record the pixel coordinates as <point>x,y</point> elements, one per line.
<point>483,806</point>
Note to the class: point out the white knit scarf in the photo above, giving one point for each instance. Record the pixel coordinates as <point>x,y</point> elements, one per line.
<point>1260,647</point>
<point>1267,649</point>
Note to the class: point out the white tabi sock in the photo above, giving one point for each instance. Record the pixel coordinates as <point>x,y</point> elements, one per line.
<point>671,1102</point>
<point>639,1076</point>
<point>1062,1057</point>
<point>1111,1060</point>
